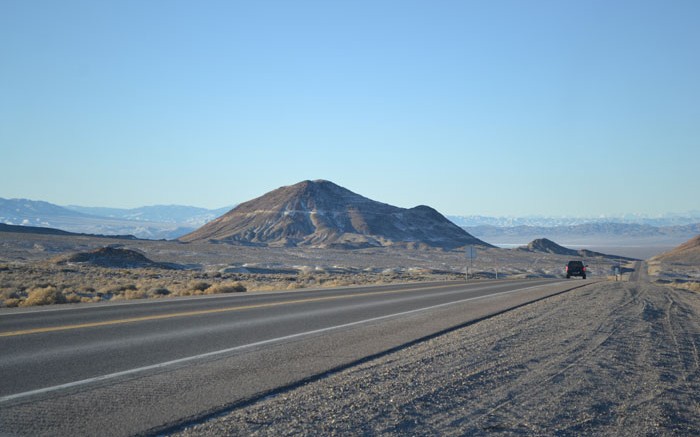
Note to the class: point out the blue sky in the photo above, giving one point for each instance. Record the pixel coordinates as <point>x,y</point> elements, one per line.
<point>575,108</point>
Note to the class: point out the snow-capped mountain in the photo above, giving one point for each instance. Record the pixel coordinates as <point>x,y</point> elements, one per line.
<point>671,219</point>
<point>185,216</point>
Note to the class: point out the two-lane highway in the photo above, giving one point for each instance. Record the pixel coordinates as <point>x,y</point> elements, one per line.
<point>120,369</point>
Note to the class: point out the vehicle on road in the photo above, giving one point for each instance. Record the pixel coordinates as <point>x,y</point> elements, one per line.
<point>575,268</point>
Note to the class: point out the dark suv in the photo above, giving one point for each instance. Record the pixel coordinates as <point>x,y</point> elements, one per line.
<point>575,268</point>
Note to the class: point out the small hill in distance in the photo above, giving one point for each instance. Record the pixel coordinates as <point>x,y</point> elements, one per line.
<point>686,253</point>
<point>112,257</point>
<point>544,245</point>
<point>322,214</point>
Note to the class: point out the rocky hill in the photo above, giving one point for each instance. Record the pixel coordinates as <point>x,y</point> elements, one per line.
<point>323,214</point>
<point>112,257</point>
<point>543,245</point>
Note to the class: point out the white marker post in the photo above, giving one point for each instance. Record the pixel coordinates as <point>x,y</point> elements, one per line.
<point>470,253</point>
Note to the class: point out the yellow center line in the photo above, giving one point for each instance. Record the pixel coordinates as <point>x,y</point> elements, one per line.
<point>202,312</point>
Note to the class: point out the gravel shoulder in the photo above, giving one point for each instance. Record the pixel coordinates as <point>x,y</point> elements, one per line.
<point>615,358</point>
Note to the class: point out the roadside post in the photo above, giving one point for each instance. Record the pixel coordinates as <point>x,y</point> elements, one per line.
<point>470,253</point>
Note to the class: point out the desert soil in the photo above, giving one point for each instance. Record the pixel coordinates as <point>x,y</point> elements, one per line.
<point>612,358</point>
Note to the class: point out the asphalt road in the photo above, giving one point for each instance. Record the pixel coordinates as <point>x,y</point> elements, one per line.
<point>143,367</point>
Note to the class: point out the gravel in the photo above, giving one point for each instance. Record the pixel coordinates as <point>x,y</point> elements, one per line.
<point>611,358</point>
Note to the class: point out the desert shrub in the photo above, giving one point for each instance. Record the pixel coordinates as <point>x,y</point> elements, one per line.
<point>226,287</point>
<point>9,294</point>
<point>134,294</point>
<point>118,289</point>
<point>199,286</point>
<point>72,298</point>
<point>11,302</point>
<point>158,292</point>
<point>43,296</point>
<point>692,286</point>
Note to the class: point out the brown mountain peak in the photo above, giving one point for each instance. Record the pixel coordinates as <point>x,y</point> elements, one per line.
<point>321,213</point>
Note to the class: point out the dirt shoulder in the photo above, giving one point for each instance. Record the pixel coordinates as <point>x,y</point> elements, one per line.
<point>611,358</point>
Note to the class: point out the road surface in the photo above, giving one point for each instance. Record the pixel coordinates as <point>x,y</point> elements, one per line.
<point>140,367</point>
<point>611,358</point>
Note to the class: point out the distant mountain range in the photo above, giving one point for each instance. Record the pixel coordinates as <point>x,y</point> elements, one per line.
<point>152,222</point>
<point>184,216</point>
<point>174,221</point>
<point>629,239</point>
<point>690,217</point>
<point>587,229</point>
<point>323,214</point>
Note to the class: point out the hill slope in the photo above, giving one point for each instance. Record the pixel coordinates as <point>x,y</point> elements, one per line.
<point>51,231</point>
<point>321,213</point>
<point>32,230</point>
<point>688,253</point>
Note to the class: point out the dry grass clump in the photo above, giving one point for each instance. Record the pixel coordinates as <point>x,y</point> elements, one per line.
<point>158,292</point>
<point>226,287</point>
<point>199,285</point>
<point>9,299</point>
<point>43,296</point>
<point>692,286</point>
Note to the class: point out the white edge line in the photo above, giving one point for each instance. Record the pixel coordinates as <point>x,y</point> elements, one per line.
<point>247,346</point>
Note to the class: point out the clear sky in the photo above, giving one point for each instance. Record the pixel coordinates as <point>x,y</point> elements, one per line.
<point>492,107</point>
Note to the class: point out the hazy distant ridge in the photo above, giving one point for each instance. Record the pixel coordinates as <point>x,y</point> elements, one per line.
<point>153,222</point>
<point>587,229</point>
<point>174,221</point>
<point>671,219</point>
<point>182,215</point>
